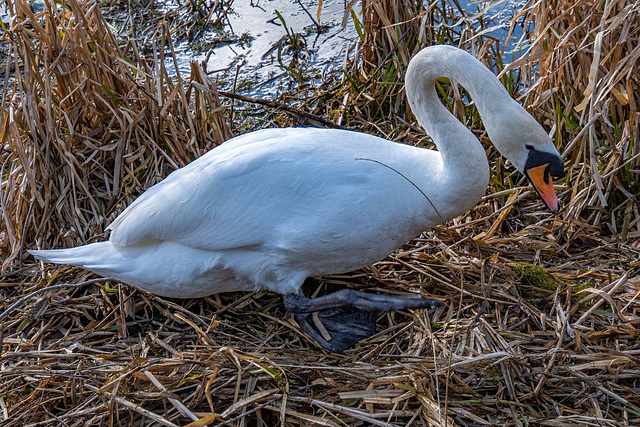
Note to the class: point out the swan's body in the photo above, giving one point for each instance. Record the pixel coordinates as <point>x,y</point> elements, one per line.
<point>270,208</point>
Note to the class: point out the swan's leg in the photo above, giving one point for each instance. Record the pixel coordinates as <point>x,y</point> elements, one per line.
<point>348,298</point>
<point>347,316</point>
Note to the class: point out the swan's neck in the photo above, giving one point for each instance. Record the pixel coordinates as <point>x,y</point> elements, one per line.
<point>462,153</point>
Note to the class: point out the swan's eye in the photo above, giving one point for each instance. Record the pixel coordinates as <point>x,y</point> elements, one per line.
<point>529,147</point>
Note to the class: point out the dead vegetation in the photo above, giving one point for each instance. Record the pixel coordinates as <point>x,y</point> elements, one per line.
<point>586,82</point>
<point>88,125</point>
<point>541,317</point>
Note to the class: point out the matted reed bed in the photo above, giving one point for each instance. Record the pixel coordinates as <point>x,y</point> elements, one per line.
<point>541,314</point>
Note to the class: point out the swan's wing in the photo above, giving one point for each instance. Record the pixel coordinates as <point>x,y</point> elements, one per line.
<point>200,204</point>
<point>239,194</point>
<point>250,193</point>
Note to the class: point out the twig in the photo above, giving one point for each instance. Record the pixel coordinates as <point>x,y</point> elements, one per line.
<point>282,106</point>
<point>310,16</point>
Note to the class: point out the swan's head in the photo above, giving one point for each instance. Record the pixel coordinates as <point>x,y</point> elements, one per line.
<point>521,139</point>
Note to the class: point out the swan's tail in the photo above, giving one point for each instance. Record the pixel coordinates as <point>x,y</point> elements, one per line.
<point>92,257</point>
<point>163,268</point>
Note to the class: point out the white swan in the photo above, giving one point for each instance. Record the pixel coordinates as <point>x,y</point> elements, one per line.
<point>273,207</point>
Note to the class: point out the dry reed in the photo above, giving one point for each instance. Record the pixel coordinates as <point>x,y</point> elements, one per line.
<point>582,64</point>
<point>89,125</point>
<point>541,318</point>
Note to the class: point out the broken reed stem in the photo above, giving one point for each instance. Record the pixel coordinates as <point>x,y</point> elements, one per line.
<point>280,106</point>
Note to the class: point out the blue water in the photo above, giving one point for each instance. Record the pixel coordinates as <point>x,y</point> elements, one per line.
<point>324,51</point>
<point>499,17</point>
<point>256,22</point>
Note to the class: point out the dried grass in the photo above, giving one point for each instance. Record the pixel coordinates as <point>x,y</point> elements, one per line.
<point>88,125</point>
<point>540,324</point>
<point>582,63</point>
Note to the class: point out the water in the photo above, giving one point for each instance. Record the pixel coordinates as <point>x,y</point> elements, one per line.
<point>256,20</point>
<point>256,32</point>
<point>499,17</point>
<point>257,59</point>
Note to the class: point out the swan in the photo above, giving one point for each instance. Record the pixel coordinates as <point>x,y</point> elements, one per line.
<point>268,209</point>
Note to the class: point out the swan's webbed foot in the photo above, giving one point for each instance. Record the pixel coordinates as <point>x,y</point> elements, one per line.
<point>346,316</point>
<point>340,330</point>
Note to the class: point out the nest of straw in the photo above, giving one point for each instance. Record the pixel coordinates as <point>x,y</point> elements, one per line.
<point>541,314</point>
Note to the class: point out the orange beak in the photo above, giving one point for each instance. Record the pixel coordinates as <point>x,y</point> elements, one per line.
<point>543,183</point>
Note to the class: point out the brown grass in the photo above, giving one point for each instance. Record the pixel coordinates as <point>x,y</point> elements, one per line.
<point>88,125</point>
<point>585,80</point>
<point>540,324</point>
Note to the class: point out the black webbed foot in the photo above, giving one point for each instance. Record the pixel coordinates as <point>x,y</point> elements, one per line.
<point>337,331</point>
<point>347,316</point>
